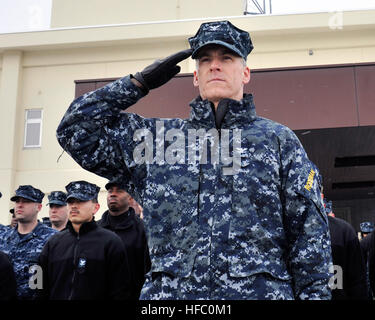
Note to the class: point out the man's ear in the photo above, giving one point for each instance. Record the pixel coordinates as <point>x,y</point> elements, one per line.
<point>96,208</point>
<point>195,79</point>
<point>39,207</point>
<point>246,78</point>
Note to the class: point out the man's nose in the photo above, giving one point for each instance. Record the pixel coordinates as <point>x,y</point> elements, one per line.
<point>215,64</point>
<point>114,193</point>
<point>73,204</point>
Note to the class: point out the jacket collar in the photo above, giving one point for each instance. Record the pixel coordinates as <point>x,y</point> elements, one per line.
<point>125,224</point>
<point>86,227</point>
<point>239,112</point>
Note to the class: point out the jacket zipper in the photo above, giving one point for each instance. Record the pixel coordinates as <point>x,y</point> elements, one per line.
<point>75,268</point>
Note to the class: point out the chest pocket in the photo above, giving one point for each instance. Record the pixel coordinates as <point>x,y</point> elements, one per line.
<point>172,218</point>
<point>256,229</point>
<point>255,246</point>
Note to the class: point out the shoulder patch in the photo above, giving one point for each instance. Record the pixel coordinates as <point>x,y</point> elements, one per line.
<point>310,180</point>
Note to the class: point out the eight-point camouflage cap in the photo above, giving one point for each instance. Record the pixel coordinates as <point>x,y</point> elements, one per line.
<point>366,227</point>
<point>223,33</point>
<point>57,197</point>
<point>28,192</point>
<point>82,190</point>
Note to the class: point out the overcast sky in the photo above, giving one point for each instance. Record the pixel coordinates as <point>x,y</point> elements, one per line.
<point>28,15</point>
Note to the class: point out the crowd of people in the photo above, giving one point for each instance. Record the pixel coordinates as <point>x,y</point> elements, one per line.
<point>247,220</point>
<point>83,259</point>
<point>76,258</point>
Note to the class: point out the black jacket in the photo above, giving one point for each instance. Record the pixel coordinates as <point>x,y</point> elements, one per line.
<point>346,253</point>
<point>371,260</point>
<point>365,246</point>
<point>86,266</point>
<point>7,279</point>
<point>129,227</point>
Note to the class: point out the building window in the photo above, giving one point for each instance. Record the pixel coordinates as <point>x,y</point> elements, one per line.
<point>33,128</point>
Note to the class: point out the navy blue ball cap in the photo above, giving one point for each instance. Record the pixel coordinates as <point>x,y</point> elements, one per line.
<point>116,183</point>
<point>82,190</point>
<point>57,197</point>
<point>222,33</point>
<point>28,192</point>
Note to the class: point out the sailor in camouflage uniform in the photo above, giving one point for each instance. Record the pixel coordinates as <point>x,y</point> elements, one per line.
<point>58,210</point>
<point>256,230</point>
<point>24,243</point>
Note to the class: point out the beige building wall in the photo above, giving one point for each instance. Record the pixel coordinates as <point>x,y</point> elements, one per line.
<point>68,13</point>
<point>38,70</point>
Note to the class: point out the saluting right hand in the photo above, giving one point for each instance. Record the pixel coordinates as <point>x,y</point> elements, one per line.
<point>161,71</point>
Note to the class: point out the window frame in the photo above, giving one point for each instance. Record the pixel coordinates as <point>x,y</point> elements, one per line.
<point>31,121</point>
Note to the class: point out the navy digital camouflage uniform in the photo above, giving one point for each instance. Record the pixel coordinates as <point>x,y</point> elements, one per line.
<point>258,234</point>
<point>24,252</point>
<point>3,228</point>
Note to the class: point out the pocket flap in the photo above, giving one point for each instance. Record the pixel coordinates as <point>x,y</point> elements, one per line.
<point>241,269</point>
<point>178,263</point>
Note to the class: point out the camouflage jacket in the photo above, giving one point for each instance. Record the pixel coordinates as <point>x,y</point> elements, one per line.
<point>24,253</point>
<point>260,233</point>
<point>3,229</point>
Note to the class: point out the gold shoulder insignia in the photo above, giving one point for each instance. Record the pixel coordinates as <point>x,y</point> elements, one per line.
<point>310,180</point>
